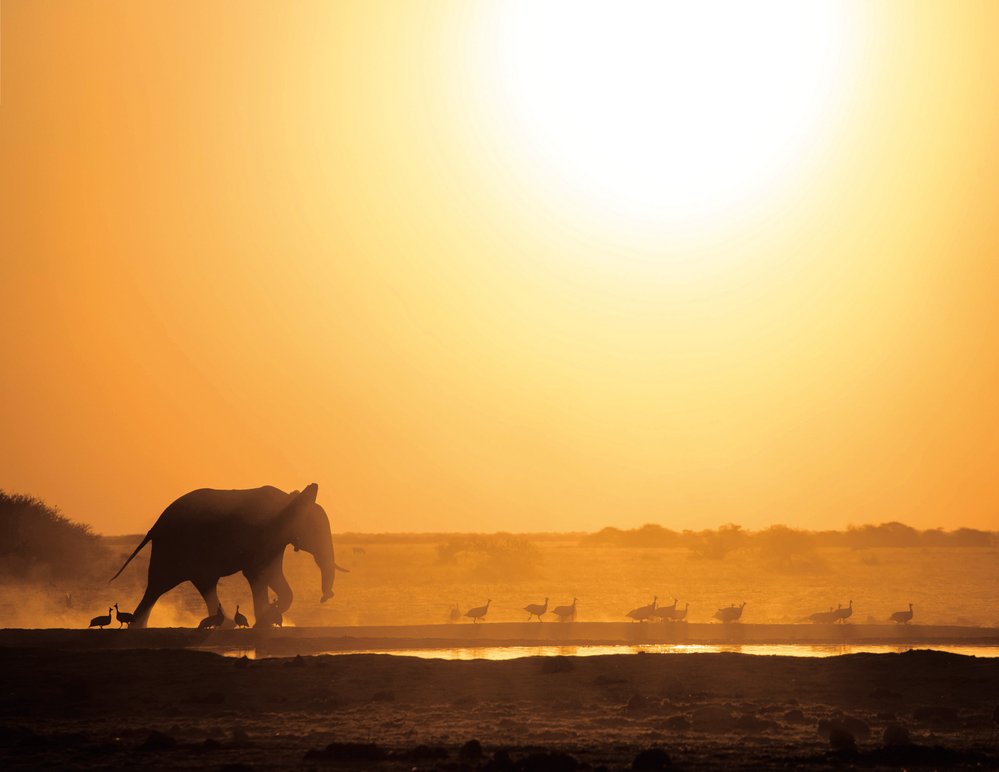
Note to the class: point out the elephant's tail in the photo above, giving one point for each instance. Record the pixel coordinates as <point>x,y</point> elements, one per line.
<point>137,550</point>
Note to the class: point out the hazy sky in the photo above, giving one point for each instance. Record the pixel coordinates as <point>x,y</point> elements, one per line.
<point>503,267</point>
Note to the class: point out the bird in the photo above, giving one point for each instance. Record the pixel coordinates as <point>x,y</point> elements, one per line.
<point>240,619</point>
<point>731,614</point>
<point>899,617</point>
<point>213,621</point>
<point>272,616</point>
<point>123,617</point>
<point>842,614</point>
<point>536,610</point>
<point>664,613</point>
<point>101,621</point>
<point>454,614</point>
<point>824,617</point>
<point>679,616</point>
<point>566,613</point>
<point>642,613</point>
<point>478,612</point>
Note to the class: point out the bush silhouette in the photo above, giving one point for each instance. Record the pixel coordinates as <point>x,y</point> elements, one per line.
<point>37,542</point>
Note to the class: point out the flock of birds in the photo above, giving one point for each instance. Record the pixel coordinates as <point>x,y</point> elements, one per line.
<point>650,613</point>
<point>270,618</point>
<point>672,613</point>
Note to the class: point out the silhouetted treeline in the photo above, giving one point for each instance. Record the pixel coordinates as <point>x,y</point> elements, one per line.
<point>37,542</point>
<point>716,543</point>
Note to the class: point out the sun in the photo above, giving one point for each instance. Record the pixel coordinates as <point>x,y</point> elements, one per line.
<point>666,112</point>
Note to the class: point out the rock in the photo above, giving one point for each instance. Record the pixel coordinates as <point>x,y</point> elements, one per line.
<point>795,716</point>
<point>652,760</point>
<point>895,735</point>
<point>841,739</point>
<point>470,752</point>
<point>678,723</point>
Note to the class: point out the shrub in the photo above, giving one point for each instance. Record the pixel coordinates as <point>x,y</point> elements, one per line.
<point>37,542</point>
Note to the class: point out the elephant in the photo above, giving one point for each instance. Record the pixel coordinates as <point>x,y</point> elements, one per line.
<point>207,534</point>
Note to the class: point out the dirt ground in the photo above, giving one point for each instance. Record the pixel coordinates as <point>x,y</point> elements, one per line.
<point>197,710</point>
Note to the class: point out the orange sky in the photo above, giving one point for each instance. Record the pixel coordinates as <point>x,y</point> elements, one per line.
<point>251,244</point>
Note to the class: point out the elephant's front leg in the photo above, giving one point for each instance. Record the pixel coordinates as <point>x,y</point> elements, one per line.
<point>277,582</point>
<point>261,600</point>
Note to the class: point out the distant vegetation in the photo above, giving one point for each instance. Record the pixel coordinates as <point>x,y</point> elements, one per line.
<point>38,543</point>
<point>780,539</point>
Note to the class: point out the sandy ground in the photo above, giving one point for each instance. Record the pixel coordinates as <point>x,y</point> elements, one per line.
<point>188,709</point>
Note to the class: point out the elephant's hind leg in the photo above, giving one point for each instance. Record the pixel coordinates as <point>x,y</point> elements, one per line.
<point>209,591</point>
<point>153,592</point>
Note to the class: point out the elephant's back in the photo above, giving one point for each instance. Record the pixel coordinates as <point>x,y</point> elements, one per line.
<point>206,507</point>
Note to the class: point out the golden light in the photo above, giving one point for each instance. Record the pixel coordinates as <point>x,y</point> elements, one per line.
<point>656,114</point>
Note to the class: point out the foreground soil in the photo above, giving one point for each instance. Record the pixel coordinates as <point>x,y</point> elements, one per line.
<point>188,709</point>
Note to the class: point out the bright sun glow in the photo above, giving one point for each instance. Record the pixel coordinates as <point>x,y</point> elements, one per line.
<point>667,112</point>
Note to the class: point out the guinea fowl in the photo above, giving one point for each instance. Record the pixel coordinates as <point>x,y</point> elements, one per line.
<point>123,617</point>
<point>240,619</point>
<point>454,614</point>
<point>842,614</point>
<point>824,617</point>
<point>101,621</point>
<point>479,612</point>
<point>731,614</point>
<point>213,621</point>
<point>271,617</point>
<point>642,613</point>
<point>565,613</point>
<point>665,613</point>
<point>902,617</point>
<point>679,616</point>
<point>536,610</point>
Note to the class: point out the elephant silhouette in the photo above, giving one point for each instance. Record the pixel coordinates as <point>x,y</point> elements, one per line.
<point>207,534</point>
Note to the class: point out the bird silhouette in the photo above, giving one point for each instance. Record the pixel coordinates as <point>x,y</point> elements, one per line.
<point>566,613</point>
<point>240,619</point>
<point>823,617</point>
<point>842,614</point>
<point>902,617</point>
<point>536,610</point>
<point>478,612</point>
<point>642,613</point>
<point>123,617</point>
<point>213,621</point>
<point>101,621</point>
<point>665,613</point>
<point>731,614</point>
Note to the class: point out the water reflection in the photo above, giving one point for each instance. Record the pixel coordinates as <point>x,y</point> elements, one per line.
<point>516,652</point>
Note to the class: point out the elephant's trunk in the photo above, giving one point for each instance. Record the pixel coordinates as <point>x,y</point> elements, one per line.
<point>327,567</point>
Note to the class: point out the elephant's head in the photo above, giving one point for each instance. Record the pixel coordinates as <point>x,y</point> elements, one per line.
<point>308,528</point>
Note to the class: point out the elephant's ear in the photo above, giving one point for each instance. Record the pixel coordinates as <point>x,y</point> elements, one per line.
<point>308,496</point>
<point>299,502</point>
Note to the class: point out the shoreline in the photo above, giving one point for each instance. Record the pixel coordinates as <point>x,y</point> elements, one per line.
<point>312,640</point>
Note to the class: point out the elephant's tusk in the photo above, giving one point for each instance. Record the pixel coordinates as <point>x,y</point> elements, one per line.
<point>338,567</point>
